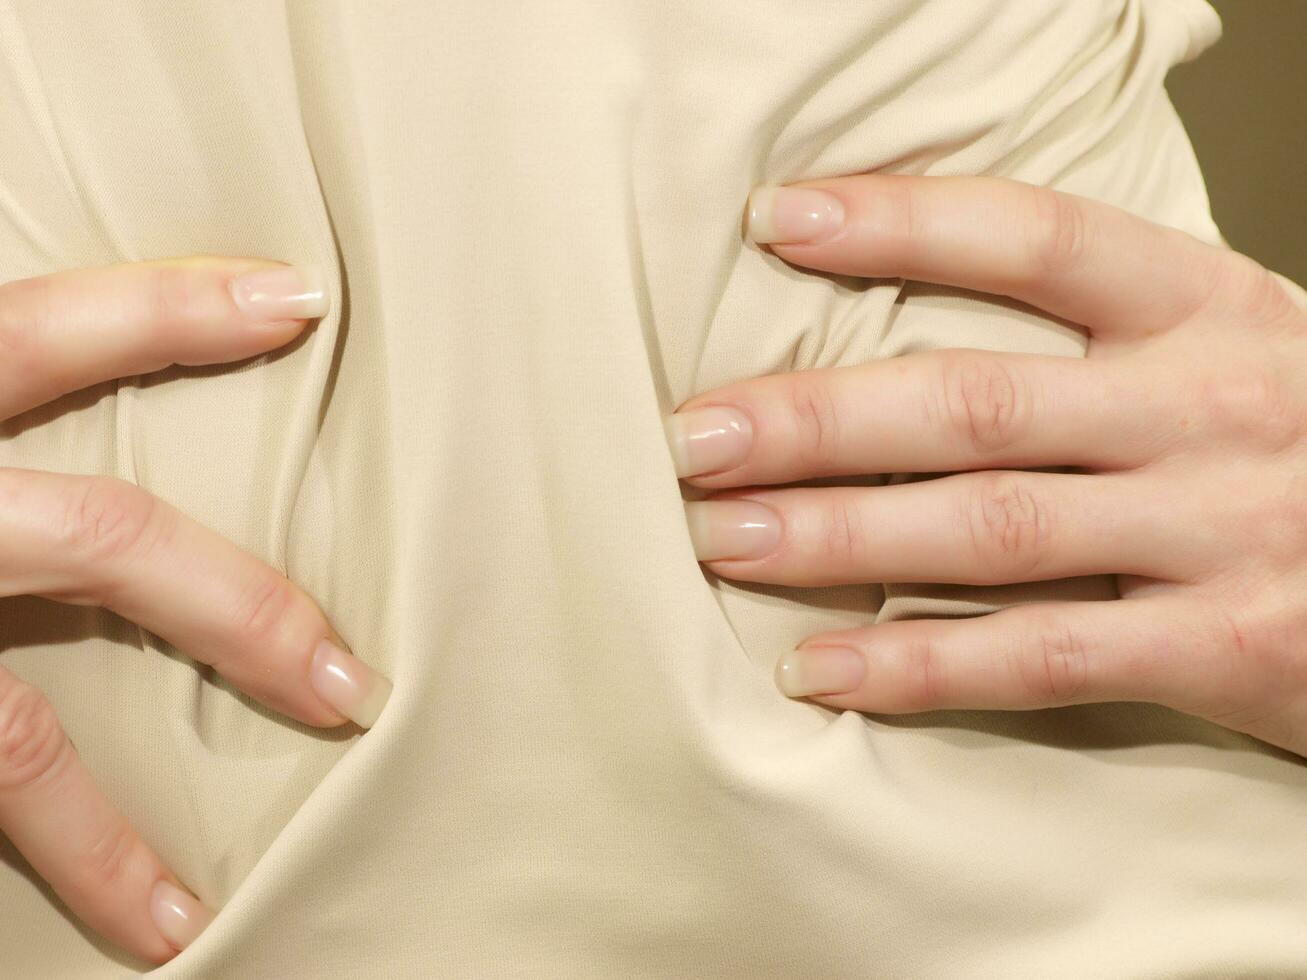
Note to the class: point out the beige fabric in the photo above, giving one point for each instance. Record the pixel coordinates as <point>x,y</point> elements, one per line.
<point>531,216</point>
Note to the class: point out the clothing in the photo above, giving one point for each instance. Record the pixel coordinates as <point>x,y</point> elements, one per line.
<point>530,215</point>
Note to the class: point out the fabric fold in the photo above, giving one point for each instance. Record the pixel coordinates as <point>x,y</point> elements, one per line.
<point>531,219</point>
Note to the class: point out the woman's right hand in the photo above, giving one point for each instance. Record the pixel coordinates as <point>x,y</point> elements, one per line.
<point>103,542</point>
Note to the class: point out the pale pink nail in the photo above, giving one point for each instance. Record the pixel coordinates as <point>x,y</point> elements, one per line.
<point>793,215</point>
<point>723,529</point>
<point>348,685</point>
<point>705,440</point>
<point>282,293</point>
<point>820,670</point>
<point>179,916</point>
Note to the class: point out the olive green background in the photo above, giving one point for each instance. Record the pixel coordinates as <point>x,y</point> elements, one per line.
<point>1244,103</point>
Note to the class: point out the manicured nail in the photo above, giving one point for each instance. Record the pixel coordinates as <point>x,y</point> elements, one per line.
<point>820,670</point>
<point>288,292</point>
<point>705,440</point>
<point>793,215</point>
<point>721,529</point>
<point>348,684</point>
<point>179,916</point>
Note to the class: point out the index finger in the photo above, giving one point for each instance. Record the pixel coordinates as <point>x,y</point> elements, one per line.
<point>68,330</point>
<point>1079,259</point>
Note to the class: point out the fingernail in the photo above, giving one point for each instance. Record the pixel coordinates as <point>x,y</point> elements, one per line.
<point>820,670</point>
<point>793,215</point>
<point>348,684</point>
<point>705,440</point>
<point>722,529</point>
<point>179,916</point>
<point>287,292</point>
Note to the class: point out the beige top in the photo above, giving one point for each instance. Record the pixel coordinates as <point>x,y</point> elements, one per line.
<point>531,216</point>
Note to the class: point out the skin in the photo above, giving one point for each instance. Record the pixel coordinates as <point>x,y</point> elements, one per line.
<point>103,542</point>
<point>1186,427</point>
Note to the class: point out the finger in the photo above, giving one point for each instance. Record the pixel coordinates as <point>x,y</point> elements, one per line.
<point>995,527</point>
<point>104,542</point>
<point>936,411</point>
<point>68,330</point>
<point>1079,259</point>
<point>78,841</point>
<point>1038,655</point>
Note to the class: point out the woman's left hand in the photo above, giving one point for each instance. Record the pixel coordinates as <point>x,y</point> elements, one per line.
<point>1186,426</point>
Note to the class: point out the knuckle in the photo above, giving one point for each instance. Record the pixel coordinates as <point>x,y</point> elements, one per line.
<point>1060,238</point>
<point>109,858</point>
<point>989,405</point>
<point>1246,648</point>
<point>1254,681</point>
<point>1256,643</point>
<point>24,314</point>
<point>263,611</point>
<point>1053,665</point>
<point>1008,525</point>
<point>925,684</point>
<point>32,742</point>
<point>170,295</point>
<point>816,422</point>
<point>898,214</point>
<point>107,519</point>
<point>843,537</point>
<point>1243,286</point>
<point>1254,406</point>
<point>1232,634</point>
<point>1267,299</point>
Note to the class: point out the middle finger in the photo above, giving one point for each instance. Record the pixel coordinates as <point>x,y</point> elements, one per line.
<point>985,528</point>
<point>928,412</point>
<point>105,542</point>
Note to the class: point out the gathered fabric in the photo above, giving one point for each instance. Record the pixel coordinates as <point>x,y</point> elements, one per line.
<point>530,219</point>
